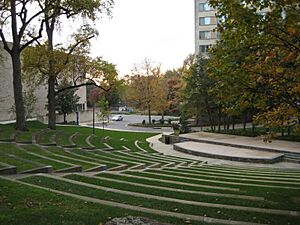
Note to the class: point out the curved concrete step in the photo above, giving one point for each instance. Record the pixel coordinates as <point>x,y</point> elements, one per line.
<point>228,153</point>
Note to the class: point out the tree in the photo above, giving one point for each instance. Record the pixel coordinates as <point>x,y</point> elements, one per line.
<point>160,95</point>
<point>266,37</point>
<point>196,96</point>
<point>16,16</point>
<point>67,100</point>
<point>53,11</point>
<point>143,87</point>
<point>29,103</point>
<point>103,115</point>
<point>174,85</point>
<point>77,68</point>
<point>109,80</point>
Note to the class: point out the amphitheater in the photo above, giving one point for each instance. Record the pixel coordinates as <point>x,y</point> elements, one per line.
<point>136,175</point>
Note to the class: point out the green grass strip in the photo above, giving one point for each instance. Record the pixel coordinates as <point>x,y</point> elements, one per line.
<point>241,173</point>
<point>21,204</point>
<point>284,196</point>
<point>24,137</point>
<point>145,145</point>
<point>262,170</point>
<point>98,142</point>
<point>159,204</point>
<point>168,158</point>
<point>13,149</point>
<point>166,183</point>
<point>171,194</point>
<point>263,179</point>
<point>6,131</point>
<point>21,165</point>
<point>79,154</point>
<point>142,159</point>
<point>121,159</point>
<point>35,149</point>
<point>148,157</point>
<point>79,140</point>
<point>226,179</point>
<point>63,156</point>
<point>63,139</point>
<point>45,136</point>
<point>103,156</point>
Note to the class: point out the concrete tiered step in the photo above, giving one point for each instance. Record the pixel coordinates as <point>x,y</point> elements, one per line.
<point>228,153</point>
<point>292,157</point>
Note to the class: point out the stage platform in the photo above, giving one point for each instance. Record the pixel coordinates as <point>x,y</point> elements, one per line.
<point>228,152</point>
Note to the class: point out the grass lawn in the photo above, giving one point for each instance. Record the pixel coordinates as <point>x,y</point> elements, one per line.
<point>171,194</point>
<point>20,204</point>
<point>226,192</point>
<point>160,204</point>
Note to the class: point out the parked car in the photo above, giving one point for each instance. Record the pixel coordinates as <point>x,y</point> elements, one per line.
<point>117,118</point>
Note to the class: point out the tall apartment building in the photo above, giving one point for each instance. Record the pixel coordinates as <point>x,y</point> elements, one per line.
<point>205,23</point>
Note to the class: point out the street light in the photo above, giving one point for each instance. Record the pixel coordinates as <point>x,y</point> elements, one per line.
<point>93,117</point>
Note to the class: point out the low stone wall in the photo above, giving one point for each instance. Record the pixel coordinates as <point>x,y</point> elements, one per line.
<point>264,160</point>
<point>170,139</point>
<point>84,117</point>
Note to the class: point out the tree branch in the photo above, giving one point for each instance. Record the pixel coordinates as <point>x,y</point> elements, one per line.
<point>81,85</point>
<point>26,23</point>
<point>72,49</point>
<point>35,38</point>
<point>5,44</point>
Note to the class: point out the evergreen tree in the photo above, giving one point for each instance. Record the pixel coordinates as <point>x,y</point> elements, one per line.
<point>67,100</point>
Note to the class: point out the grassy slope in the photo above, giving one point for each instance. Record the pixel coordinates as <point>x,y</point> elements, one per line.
<point>20,204</point>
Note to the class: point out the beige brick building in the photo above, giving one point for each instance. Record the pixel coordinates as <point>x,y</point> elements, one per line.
<point>7,95</point>
<point>205,23</point>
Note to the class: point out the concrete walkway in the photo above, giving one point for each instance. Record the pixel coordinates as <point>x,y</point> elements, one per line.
<point>244,142</point>
<point>168,150</point>
<point>228,153</point>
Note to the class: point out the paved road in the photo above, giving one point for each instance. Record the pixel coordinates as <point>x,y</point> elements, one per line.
<point>128,119</point>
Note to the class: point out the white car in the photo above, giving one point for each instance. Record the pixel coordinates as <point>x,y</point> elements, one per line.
<point>117,118</point>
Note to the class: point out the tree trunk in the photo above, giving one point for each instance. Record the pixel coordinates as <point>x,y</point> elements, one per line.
<point>52,77</point>
<point>219,119</point>
<point>198,120</point>
<point>149,113</point>
<point>162,117</point>
<point>245,122</point>
<point>51,103</point>
<point>227,123</point>
<point>233,122</point>
<point>65,118</point>
<point>16,62</point>
<point>18,91</point>
<point>208,110</point>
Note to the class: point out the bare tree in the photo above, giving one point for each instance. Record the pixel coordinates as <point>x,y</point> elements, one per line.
<point>15,22</point>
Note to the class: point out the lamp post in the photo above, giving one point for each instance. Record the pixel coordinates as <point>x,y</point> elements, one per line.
<point>93,117</point>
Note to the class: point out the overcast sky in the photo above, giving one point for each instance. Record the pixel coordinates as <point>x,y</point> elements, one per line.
<point>162,30</point>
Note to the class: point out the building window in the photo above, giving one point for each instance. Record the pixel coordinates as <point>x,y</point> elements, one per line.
<point>204,21</point>
<point>80,107</point>
<point>204,7</point>
<point>204,34</point>
<point>220,19</point>
<point>203,48</point>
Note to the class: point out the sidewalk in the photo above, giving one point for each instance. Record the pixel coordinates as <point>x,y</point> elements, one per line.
<point>244,142</point>
<point>168,150</point>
